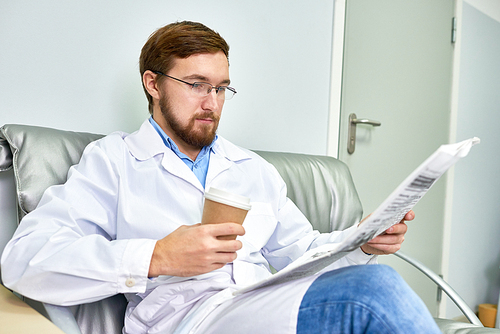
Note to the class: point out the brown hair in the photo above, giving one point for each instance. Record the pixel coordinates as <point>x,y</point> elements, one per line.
<point>177,40</point>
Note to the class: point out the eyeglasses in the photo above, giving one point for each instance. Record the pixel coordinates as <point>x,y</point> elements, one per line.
<point>203,88</point>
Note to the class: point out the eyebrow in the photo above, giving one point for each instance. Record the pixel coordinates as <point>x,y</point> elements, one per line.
<point>203,78</point>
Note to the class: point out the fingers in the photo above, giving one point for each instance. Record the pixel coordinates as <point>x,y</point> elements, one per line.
<point>381,249</point>
<point>390,241</point>
<point>400,228</point>
<point>196,249</point>
<point>387,239</point>
<point>387,243</point>
<point>222,229</point>
<point>394,234</point>
<point>409,216</point>
<point>223,258</point>
<point>210,239</point>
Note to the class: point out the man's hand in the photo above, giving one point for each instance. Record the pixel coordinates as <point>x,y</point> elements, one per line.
<point>390,241</point>
<point>195,250</point>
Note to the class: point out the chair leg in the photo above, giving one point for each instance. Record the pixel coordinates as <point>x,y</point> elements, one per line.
<point>454,296</point>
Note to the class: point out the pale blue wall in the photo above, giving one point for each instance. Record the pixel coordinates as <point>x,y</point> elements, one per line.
<point>475,230</point>
<point>74,65</point>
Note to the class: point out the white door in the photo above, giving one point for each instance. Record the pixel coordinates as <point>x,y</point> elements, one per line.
<point>397,71</point>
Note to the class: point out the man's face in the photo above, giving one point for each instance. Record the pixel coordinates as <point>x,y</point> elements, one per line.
<point>189,119</point>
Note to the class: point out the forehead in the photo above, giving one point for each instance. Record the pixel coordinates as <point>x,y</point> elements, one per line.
<point>212,66</point>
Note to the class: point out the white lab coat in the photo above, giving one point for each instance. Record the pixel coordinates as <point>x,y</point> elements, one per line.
<point>94,236</point>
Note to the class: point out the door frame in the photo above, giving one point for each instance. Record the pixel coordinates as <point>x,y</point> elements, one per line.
<point>450,177</point>
<point>336,78</point>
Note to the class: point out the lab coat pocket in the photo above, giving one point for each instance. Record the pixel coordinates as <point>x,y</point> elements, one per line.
<point>166,305</point>
<point>259,224</point>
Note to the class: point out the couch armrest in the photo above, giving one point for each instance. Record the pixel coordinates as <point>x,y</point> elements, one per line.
<point>63,318</point>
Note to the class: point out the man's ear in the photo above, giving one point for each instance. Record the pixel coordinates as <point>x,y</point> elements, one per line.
<point>150,84</point>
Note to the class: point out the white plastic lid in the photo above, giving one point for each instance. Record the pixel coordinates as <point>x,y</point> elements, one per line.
<point>225,197</point>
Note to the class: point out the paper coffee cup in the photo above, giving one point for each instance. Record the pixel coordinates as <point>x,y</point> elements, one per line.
<point>224,207</point>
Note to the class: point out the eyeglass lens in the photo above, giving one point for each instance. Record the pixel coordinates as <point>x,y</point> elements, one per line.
<point>202,88</point>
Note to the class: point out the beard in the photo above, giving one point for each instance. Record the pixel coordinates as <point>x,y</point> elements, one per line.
<point>201,137</point>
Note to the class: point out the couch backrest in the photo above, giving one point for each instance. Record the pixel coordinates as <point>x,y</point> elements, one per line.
<point>40,157</point>
<point>321,187</point>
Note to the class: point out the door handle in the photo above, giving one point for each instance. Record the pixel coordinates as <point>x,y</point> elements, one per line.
<point>353,121</point>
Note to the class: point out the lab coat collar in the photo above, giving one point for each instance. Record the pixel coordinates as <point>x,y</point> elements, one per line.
<point>229,151</point>
<point>225,154</point>
<point>146,143</point>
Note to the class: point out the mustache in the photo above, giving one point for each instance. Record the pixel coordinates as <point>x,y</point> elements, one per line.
<point>209,114</point>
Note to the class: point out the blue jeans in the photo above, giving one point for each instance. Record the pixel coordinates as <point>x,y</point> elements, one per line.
<point>363,299</point>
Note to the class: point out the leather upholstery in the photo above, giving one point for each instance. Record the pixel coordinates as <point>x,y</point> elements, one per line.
<point>40,157</point>
<point>456,327</point>
<point>321,187</point>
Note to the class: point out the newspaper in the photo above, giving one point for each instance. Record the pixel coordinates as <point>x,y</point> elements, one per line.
<point>390,212</point>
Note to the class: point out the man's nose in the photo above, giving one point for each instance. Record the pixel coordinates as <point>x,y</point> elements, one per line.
<point>212,101</point>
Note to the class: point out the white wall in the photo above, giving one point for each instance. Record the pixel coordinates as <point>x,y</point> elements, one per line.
<point>489,8</point>
<point>474,233</point>
<point>74,65</point>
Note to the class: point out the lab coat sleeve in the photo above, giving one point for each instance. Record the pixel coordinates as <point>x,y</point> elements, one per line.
<point>65,251</point>
<point>294,236</point>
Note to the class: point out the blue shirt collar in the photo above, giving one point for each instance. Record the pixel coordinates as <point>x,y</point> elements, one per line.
<point>171,144</point>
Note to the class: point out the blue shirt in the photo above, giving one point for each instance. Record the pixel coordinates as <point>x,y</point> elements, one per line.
<point>199,166</point>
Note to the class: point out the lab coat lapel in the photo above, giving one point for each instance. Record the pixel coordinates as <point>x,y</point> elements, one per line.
<point>175,166</point>
<point>218,164</point>
<point>224,155</point>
